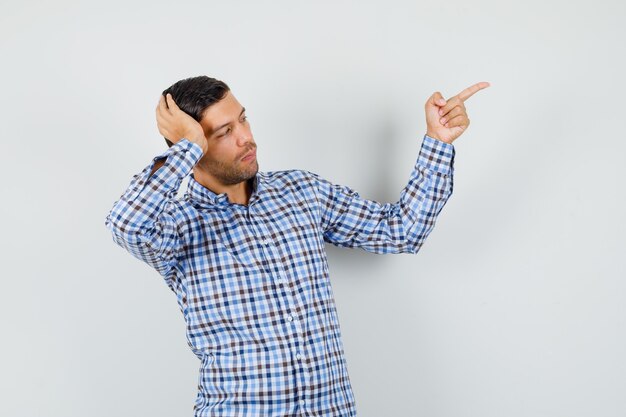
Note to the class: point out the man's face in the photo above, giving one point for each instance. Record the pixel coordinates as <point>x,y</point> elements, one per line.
<point>230,139</point>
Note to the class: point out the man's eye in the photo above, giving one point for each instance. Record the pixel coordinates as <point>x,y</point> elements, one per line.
<point>245,118</point>
<point>225,133</point>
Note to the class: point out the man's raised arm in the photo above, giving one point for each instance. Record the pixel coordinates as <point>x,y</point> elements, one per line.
<point>144,220</point>
<point>348,220</point>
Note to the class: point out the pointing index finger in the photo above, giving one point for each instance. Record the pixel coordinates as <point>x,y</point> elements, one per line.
<point>470,91</point>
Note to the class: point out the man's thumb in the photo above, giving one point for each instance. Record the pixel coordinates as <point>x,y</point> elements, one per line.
<point>437,99</point>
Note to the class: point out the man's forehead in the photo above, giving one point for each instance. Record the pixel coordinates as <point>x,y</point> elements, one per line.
<point>225,111</point>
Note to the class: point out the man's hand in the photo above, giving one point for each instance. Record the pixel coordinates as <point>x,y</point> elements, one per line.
<point>174,124</point>
<point>447,119</point>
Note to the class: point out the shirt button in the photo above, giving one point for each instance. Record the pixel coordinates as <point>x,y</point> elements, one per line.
<point>290,318</point>
<point>298,356</point>
<point>302,402</point>
<point>266,242</point>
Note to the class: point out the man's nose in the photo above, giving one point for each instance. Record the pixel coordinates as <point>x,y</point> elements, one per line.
<point>245,137</point>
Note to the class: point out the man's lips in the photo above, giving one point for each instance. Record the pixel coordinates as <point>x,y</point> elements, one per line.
<point>250,155</point>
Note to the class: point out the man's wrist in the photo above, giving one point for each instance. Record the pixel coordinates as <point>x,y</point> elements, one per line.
<point>200,141</point>
<point>436,136</point>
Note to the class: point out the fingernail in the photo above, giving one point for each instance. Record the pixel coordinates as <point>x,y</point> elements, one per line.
<point>440,112</point>
<point>443,120</point>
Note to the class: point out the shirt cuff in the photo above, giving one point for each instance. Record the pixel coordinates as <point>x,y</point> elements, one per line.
<point>181,158</point>
<point>436,155</point>
<point>195,151</point>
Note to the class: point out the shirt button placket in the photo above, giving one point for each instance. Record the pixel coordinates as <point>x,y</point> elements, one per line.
<point>273,255</point>
<point>304,377</point>
<point>304,382</point>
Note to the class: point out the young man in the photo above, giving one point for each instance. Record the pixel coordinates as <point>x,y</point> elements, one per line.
<point>244,252</point>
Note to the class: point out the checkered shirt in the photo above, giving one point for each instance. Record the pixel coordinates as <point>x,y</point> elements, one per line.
<point>252,281</point>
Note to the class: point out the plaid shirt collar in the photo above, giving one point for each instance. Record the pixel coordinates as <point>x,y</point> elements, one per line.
<point>200,194</point>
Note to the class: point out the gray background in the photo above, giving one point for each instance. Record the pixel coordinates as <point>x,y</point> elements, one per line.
<point>514,306</point>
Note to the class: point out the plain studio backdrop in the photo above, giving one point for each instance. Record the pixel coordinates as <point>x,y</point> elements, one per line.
<point>514,305</point>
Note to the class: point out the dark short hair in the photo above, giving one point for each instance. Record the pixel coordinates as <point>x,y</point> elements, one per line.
<point>194,95</point>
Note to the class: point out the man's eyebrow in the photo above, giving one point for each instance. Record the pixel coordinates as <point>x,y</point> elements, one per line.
<point>243,109</point>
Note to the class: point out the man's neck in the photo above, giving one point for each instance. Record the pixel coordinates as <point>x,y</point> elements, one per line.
<point>237,193</point>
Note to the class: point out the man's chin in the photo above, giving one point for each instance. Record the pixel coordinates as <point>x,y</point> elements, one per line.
<point>253,170</point>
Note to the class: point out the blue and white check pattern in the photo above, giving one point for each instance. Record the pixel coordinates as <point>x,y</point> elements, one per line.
<point>252,281</point>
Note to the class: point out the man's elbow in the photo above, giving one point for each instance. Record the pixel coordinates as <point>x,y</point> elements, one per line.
<point>123,232</point>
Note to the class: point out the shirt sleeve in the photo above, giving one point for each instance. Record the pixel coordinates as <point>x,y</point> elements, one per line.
<point>347,220</point>
<point>144,219</point>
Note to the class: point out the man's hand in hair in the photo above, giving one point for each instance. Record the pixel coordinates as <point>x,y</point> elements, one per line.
<point>174,124</point>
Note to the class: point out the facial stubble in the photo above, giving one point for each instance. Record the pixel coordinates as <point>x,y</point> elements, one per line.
<point>230,174</point>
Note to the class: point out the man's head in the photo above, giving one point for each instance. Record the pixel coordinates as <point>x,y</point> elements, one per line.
<point>194,95</point>
<point>226,128</point>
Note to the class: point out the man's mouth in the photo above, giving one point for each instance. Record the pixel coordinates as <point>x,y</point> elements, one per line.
<point>249,156</point>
